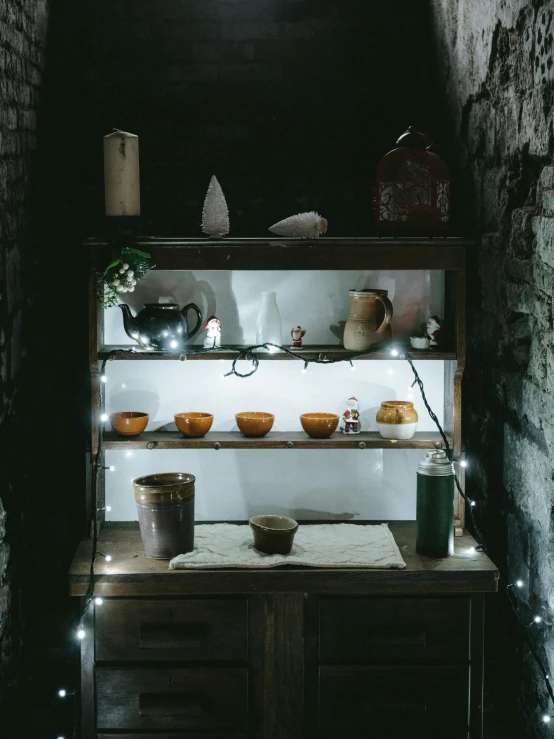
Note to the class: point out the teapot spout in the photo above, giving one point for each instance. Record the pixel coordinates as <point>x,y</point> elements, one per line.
<point>129,322</point>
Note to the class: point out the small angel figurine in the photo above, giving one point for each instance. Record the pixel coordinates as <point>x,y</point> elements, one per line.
<point>350,420</point>
<point>213,338</point>
<point>432,329</point>
<point>297,335</point>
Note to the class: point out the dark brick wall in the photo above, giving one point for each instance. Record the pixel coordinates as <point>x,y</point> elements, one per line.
<point>497,64</point>
<point>42,361</point>
<point>22,54</point>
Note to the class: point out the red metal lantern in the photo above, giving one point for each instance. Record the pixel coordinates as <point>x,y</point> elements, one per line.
<point>412,189</point>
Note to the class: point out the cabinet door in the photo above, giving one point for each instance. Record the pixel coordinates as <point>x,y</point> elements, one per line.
<point>188,630</point>
<point>377,702</point>
<point>169,699</point>
<point>385,630</point>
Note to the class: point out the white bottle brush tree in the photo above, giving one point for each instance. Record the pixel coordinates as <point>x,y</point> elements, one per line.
<point>215,214</point>
<point>307,225</point>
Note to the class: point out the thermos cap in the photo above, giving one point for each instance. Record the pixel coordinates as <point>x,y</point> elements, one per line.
<point>436,464</point>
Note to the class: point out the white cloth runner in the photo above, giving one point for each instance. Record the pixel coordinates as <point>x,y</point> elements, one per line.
<point>223,545</point>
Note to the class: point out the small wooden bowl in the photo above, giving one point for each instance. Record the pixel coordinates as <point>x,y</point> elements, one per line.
<point>194,425</point>
<point>254,424</point>
<point>129,423</point>
<point>319,425</point>
<point>273,534</point>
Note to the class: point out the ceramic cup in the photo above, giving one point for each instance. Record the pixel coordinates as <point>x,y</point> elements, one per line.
<point>397,419</point>
<point>254,423</point>
<point>273,534</point>
<point>319,425</point>
<point>129,423</point>
<point>194,425</point>
<point>419,342</point>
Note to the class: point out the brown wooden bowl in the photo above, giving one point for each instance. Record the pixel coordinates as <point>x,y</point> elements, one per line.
<point>254,423</point>
<point>194,425</point>
<point>319,425</point>
<point>129,423</point>
<point>273,534</point>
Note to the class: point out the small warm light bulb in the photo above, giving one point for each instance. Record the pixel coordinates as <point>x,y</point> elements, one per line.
<point>352,366</point>
<point>98,601</point>
<point>273,349</point>
<point>128,454</point>
<point>104,378</point>
<point>173,344</point>
<point>108,508</point>
<point>537,619</point>
<point>473,504</point>
<point>108,557</point>
<point>305,368</point>
<point>394,352</point>
<point>81,634</point>
<point>112,468</point>
<point>62,693</point>
<point>463,463</point>
<point>546,719</point>
<point>104,417</point>
<point>519,583</point>
<point>471,550</point>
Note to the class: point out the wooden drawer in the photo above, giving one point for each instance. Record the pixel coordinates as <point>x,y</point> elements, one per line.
<point>382,630</point>
<point>180,735</point>
<point>195,630</point>
<point>169,699</point>
<point>374,702</point>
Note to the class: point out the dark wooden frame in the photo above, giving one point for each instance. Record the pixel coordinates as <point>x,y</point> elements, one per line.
<point>448,254</point>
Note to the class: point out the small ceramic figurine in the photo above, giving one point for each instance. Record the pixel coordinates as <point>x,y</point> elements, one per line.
<point>297,334</point>
<point>419,342</point>
<point>350,420</point>
<point>432,330</point>
<point>213,338</point>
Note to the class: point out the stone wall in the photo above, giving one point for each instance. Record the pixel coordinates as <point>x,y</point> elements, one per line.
<point>496,59</point>
<point>22,54</point>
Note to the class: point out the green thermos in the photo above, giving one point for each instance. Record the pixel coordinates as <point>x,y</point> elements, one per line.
<point>435,505</point>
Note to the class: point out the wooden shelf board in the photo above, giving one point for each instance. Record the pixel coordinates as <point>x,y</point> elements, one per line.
<point>131,573</point>
<point>331,351</point>
<point>273,440</point>
<point>298,254</point>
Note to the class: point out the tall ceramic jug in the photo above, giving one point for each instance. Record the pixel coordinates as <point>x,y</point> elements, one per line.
<point>362,330</point>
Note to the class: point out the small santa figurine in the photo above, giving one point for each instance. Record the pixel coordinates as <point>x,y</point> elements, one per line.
<point>432,329</point>
<point>350,421</point>
<point>213,338</point>
<point>297,335</point>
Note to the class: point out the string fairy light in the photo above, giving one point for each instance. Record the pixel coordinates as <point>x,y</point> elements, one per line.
<point>249,353</point>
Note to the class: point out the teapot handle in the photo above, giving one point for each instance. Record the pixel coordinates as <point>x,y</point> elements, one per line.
<point>388,313</point>
<point>196,309</point>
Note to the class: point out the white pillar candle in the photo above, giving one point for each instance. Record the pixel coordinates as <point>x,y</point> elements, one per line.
<point>121,174</point>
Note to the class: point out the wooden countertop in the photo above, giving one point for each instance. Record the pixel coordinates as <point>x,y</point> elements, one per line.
<point>130,573</point>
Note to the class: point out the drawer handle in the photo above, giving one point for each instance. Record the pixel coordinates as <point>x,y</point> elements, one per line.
<point>397,639</point>
<point>396,707</point>
<point>169,636</point>
<point>172,705</point>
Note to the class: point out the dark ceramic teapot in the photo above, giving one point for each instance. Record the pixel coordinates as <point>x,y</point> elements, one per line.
<point>160,326</point>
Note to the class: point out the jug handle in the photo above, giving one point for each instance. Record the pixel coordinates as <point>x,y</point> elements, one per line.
<point>196,309</point>
<point>388,313</point>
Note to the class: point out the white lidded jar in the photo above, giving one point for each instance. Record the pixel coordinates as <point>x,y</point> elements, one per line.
<point>268,323</point>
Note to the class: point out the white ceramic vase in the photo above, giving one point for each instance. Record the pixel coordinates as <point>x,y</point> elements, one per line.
<point>268,324</point>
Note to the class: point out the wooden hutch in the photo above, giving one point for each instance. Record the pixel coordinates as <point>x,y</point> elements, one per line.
<point>288,653</point>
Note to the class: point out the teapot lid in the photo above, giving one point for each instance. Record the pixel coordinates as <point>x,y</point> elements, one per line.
<point>161,305</point>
